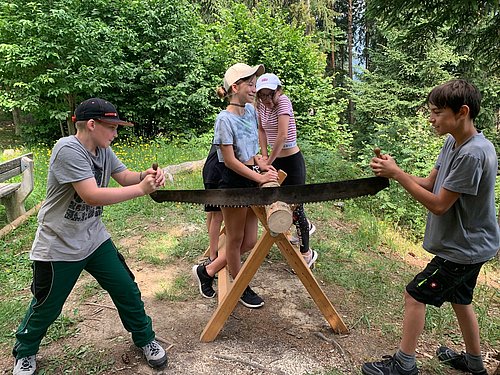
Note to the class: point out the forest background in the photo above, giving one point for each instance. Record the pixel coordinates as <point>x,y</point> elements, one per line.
<point>357,71</point>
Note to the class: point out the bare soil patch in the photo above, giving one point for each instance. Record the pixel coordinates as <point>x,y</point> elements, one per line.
<point>287,336</point>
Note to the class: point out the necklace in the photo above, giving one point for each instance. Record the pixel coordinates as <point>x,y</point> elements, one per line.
<point>238,105</point>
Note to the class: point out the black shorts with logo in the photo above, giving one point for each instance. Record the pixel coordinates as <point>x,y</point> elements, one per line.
<point>445,281</point>
<point>231,179</point>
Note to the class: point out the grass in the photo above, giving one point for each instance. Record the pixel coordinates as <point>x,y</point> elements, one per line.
<point>360,254</point>
<point>82,360</point>
<point>179,290</point>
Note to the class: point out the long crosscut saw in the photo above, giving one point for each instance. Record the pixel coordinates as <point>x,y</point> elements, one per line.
<point>262,196</point>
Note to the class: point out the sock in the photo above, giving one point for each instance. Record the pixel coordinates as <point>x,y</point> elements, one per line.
<point>407,361</point>
<point>474,362</point>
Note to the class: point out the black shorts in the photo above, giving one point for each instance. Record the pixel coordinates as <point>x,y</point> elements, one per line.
<point>445,281</point>
<point>209,207</point>
<point>231,179</point>
<point>295,168</point>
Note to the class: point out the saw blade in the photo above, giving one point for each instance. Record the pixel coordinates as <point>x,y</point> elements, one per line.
<point>261,196</point>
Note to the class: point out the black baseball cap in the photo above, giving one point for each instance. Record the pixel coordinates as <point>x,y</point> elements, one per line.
<point>98,109</point>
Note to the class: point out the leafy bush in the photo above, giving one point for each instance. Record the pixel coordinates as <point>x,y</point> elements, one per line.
<point>259,36</point>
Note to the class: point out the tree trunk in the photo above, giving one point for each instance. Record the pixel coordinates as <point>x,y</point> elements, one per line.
<point>71,101</point>
<point>333,56</point>
<point>17,119</point>
<point>367,43</point>
<point>349,46</point>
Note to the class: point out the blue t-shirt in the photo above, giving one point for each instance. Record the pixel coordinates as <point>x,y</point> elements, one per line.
<point>239,131</point>
<point>468,232</point>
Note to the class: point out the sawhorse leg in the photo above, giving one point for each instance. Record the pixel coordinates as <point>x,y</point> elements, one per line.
<point>229,299</point>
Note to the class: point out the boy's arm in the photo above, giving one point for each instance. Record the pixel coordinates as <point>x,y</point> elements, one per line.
<point>427,182</point>
<point>438,203</point>
<point>101,196</point>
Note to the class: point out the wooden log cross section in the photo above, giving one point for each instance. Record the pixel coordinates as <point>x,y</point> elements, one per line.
<point>230,292</point>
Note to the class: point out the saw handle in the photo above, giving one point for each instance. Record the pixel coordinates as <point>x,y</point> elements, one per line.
<point>281,176</point>
<point>154,166</point>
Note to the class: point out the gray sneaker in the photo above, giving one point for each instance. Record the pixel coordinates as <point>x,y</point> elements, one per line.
<point>457,361</point>
<point>155,354</point>
<point>25,366</point>
<point>388,366</point>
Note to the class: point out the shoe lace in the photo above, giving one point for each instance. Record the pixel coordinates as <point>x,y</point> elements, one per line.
<point>388,359</point>
<point>153,348</point>
<point>26,363</point>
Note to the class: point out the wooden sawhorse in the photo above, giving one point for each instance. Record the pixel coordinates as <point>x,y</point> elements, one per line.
<point>230,292</point>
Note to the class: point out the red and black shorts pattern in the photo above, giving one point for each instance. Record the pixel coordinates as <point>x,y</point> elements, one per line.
<point>445,281</point>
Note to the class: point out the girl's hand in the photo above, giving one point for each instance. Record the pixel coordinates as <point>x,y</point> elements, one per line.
<point>270,176</point>
<point>261,161</point>
<point>267,167</point>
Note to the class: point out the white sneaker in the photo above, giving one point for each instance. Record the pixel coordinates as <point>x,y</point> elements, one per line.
<point>294,240</point>
<point>25,366</point>
<point>155,354</point>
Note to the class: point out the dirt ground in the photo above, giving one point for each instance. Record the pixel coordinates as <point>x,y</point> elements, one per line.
<point>287,336</point>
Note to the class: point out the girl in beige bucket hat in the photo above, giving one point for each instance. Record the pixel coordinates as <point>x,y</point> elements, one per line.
<point>237,141</point>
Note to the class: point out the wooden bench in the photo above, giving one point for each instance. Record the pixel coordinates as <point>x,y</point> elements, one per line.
<point>13,194</point>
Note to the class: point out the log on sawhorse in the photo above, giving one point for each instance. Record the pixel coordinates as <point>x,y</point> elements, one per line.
<point>230,292</point>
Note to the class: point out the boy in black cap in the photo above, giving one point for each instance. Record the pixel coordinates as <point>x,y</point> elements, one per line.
<point>461,232</point>
<point>71,236</point>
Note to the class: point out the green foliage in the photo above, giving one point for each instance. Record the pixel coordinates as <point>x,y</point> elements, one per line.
<point>470,25</point>
<point>390,113</point>
<point>259,36</point>
<point>136,54</point>
<point>157,62</point>
<point>46,43</point>
<point>161,51</point>
<point>324,164</point>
